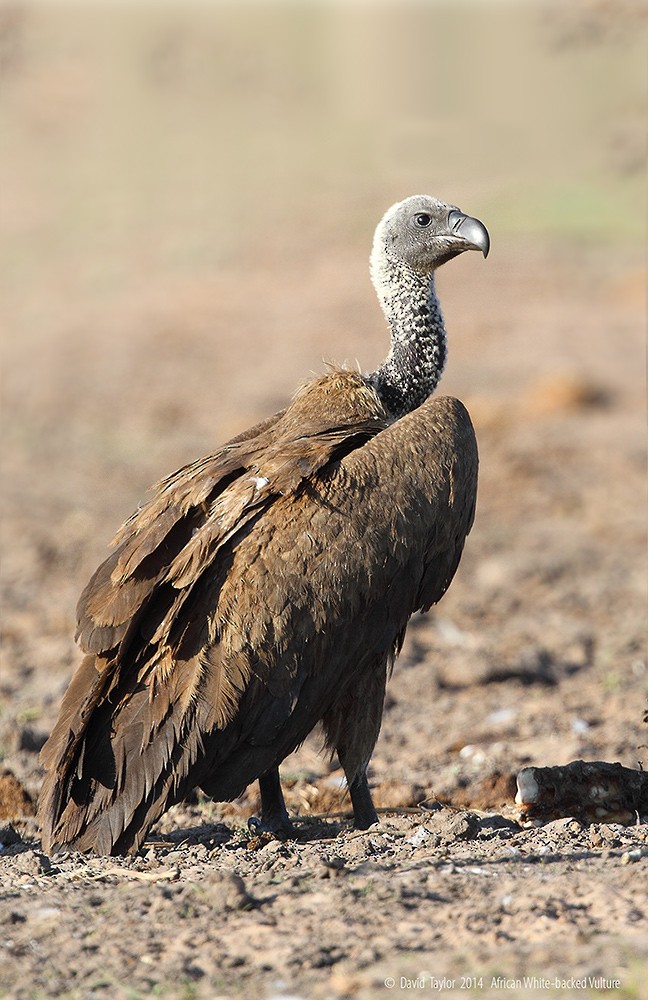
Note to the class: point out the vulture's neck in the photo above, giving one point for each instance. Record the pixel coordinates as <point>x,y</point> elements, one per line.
<point>418,349</point>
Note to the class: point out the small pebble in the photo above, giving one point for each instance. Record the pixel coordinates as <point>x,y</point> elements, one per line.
<point>609,835</point>
<point>628,857</point>
<point>33,863</point>
<point>45,913</point>
<point>419,838</point>
<point>500,716</point>
<point>273,847</point>
<point>596,840</point>
<point>564,823</point>
<point>227,891</point>
<point>470,752</point>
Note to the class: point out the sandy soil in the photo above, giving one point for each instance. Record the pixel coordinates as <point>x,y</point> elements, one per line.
<point>120,368</point>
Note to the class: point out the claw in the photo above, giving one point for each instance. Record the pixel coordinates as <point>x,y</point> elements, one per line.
<point>279,827</point>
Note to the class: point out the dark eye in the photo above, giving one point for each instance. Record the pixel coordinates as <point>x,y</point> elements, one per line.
<point>423,220</point>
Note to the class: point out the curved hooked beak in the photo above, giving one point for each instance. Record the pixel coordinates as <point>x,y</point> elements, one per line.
<point>471,232</point>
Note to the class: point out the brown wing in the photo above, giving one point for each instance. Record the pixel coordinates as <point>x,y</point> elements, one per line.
<point>158,676</point>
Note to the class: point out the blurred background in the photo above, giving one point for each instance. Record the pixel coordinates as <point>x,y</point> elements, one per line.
<point>189,193</point>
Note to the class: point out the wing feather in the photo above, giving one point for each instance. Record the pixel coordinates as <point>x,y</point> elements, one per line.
<point>158,679</point>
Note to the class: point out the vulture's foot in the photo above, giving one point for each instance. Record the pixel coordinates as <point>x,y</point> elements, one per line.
<point>364,812</point>
<point>280,826</point>
<point>274,815</point>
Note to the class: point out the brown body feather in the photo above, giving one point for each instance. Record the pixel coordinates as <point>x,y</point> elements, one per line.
<point>259,591</point>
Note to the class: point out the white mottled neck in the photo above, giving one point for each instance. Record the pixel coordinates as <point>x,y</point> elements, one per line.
<point>418,348</point>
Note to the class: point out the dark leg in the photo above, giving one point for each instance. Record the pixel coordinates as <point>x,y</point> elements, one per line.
<point>364,813</point>
<point>352,728</point>
<point>274,815</point>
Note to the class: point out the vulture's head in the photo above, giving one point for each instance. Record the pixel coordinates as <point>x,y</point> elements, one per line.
<point>424,233</point>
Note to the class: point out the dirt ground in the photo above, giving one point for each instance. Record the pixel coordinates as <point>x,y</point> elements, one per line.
<point>536,656</point>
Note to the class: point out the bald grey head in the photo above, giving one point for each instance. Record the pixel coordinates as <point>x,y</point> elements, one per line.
<point>413,239</point>
<point>423,233</point>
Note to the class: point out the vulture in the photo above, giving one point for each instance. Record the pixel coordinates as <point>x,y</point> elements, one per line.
<point>267,587</point>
